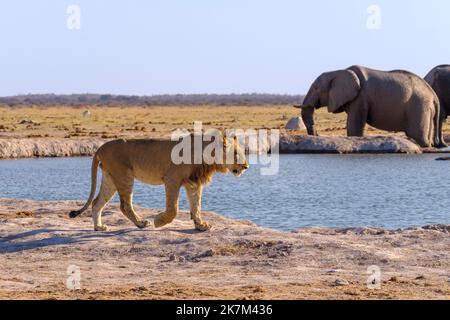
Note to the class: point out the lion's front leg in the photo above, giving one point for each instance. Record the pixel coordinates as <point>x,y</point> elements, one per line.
<point>194,193</point>
<point>172,193</point>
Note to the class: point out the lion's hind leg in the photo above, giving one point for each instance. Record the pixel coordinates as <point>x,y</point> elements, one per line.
<point>125,188</point>
<point>107,191</point>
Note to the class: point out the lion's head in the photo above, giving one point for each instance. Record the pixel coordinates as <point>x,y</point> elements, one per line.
<point>235,160</point>
<point>232,159</point>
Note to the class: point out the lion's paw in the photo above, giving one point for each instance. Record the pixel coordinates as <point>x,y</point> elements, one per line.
<point>143,224</point>
<point>103,227</point>
<point>159,221</point>
<point>204,226</point>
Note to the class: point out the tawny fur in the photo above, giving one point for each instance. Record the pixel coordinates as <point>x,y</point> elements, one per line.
<point>123,161</point>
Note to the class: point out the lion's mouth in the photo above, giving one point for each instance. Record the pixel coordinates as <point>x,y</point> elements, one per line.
<point>237,172</point>
<point>240,170</point>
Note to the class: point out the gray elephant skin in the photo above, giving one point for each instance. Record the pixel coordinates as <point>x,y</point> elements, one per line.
<point>397,101</point>
<point>439,80</point>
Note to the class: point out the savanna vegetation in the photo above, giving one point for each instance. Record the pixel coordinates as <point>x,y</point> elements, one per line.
<point>138,121</point>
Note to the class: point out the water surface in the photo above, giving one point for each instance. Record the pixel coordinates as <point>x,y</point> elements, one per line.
<point>388,191</point>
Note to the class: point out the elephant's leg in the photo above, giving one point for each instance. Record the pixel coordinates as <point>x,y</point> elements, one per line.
<point>172,187</point>
<point>107,191</point>
<point>194,193</point>
<point>420,126</point>
<point>442,117</point>
<point>357,119</point>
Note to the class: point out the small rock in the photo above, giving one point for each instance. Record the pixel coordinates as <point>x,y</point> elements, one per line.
<point>258,289</point>
<point>331,271</point>
<point>295,124</point>
<point>341,283</point>
<point>393,279</point>
<point>172,257</point>
<point>24,214</point>
<point>209,253</point>
<point>27,121</point>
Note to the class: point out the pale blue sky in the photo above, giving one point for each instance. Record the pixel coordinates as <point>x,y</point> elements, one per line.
<point>210,46</point>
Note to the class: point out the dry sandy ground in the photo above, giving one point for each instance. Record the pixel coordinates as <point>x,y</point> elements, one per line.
<point>235,260</point>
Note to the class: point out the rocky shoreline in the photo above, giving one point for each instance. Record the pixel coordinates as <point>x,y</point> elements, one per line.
<point>16,148</point>
<point>295,144</point>
<point>39,244</point>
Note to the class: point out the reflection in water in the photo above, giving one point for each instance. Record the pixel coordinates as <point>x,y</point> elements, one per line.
<point>322,190</point>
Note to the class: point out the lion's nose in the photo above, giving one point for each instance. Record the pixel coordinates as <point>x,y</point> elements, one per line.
<point>246,166</point>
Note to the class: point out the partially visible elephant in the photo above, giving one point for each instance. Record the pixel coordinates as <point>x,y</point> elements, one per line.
<point>439,80</point>
<point>397,101</point>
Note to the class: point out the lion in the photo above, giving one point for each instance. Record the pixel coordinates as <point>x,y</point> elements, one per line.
<point>150,161</point>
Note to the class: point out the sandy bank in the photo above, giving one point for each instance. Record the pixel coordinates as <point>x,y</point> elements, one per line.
<point>235,260</point>
<point>48,147</point>
<point>289,143</point>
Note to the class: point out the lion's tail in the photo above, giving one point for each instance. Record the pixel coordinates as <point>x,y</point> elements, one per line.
<point>95,162</point>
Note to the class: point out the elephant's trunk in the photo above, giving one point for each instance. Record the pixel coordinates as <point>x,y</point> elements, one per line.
<point>308,107</point>
<point>308,120</point>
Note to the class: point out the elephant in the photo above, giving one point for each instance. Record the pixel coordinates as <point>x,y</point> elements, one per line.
<point>439,80</point>
<point>397,101</point>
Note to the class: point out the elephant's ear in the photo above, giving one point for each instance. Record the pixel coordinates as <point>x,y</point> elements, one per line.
<point>345,87</point>
<point>430,77</point>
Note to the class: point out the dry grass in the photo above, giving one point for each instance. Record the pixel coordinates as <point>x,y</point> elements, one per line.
<point>133,121</point>
<point>111,122</point>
